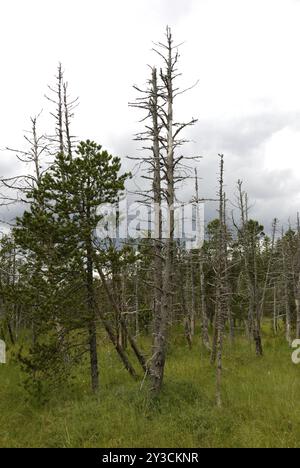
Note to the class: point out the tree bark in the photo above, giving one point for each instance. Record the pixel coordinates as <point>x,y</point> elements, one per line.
<point>92,321</point>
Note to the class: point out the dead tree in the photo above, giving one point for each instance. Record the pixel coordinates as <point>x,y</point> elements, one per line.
<point>221,300</point>
<point>297,280</point>
<point>165,169</point>
<point>269,267</point>
<point>159,322</point>
<point>62,140</point>
<point>171,174</point>
<point>184,290</point>
<point>150,101</point>
<point>297,303</point>
<point>140,357</point>
<point>285,257</point>
<point>204,327</point>
<point>248,240</point>
<point>226,279</point>
<point>16,188</point>
<point>204,317</point>
<point>136,302</point>
<point>275,318</point>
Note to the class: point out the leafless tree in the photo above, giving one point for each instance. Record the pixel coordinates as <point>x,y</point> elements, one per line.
<point>62,140</point>
<point>249,244</point>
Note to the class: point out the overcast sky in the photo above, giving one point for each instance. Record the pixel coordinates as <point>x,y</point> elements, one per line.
<point>245,54</point>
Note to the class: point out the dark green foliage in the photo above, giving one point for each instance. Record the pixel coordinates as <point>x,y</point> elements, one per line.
<point>57,237</point>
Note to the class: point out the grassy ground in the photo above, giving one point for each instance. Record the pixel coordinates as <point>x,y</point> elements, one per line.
<point>260,404</point>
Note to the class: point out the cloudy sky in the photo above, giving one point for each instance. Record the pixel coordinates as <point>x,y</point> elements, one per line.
<point>245,54</point>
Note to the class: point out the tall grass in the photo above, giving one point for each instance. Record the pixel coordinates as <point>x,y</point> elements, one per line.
<point>260,403</point>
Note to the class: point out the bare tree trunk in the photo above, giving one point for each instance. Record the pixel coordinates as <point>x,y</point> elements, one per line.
<point>288,319</point>
<point>297,283</point>
<point>228,296</point>
<point>69,107</point>
<point>124,330</point>
<point>274,225</point>
<point>219,347</point>
<point>62,139</point>
<point>221,288</point>
<point>122,354</point>
<point>184,305</point>
<point>163,134</point>
<point>137,305</point>
<point>160,320</point>
<point>159,357</point>
<point>297,286</point>
<point>60,109</point>
<point>204,318</point>
<point>275,320</point>
<point>141,359</point>
<point>204,324</point>
<point>249,254</point>
<point>92,322</point>
<point>10,332</point>
<point>213,355</point>
<point>193,302</point>
<point>297,302</point>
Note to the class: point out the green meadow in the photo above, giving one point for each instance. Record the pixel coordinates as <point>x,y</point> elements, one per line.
<point>260,403</point>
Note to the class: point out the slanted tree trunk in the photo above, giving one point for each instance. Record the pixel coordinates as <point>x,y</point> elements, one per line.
<point>141,359</point>
<point>122,354</point>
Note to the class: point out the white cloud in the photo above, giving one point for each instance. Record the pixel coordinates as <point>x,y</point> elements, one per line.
<point>282,150</point>
<point>245,55</point>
